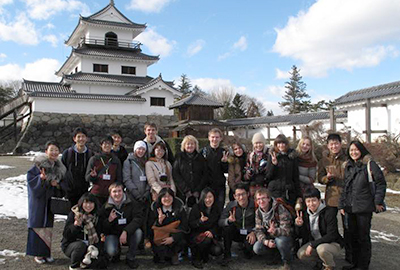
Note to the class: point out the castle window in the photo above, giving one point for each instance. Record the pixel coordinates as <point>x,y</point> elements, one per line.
<point>128,70</point>
<point>111,39</point>
<point>100,68</point>
<point>157,101</point>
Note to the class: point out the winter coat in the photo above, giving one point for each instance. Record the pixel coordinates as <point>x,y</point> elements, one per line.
<point>170,155</point>
<point>189,173</point>
<point>76,163</point>
<point>235,172</point>
<point>121,154</point>
<point>74,233</point>
<point>132,171</point>
<point>248,214</point>
<point>40,191</point>
<point>178,213</point>
<point>215,167</point>
<point>256,173</point>
<point>357,196</point>
<point>129,210</point>
<point>196,226</point>
<point>307,176</point>
<point>328,228</point>
<point>279,215</point>
<point>100,185</point>
<point>283,178</point>
<point>153,171</point>
<point>334,186</point>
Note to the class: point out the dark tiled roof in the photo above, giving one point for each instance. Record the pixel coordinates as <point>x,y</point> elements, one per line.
<point>371,92</point>
<point>290,119</point>
<point>115,53</point>
<point>196,100</point>
<point>108,78</point>
<point>87,96</point>
<point>188,123</point>
<point>154,81</point>
<point>48,87</point>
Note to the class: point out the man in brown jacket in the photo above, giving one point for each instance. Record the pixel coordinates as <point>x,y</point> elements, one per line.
<point>331,174</point>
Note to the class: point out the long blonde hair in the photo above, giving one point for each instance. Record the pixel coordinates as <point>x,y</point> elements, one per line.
<point>310,152</point>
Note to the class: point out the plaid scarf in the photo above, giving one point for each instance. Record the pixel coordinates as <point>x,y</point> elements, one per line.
<point>88,221</point>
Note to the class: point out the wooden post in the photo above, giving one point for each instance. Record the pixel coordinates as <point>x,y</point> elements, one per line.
<point>269,134</point>
<point>247,132</point>
<point>294,133</point>
<point>368,120</point>
<point>15,126</point>
<point>332,120</point>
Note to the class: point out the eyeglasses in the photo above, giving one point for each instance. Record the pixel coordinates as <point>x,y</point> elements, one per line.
<point>241,194</point>
<point>263,199</point>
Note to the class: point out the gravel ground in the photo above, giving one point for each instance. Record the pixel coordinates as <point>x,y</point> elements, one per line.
<point>385,235</point>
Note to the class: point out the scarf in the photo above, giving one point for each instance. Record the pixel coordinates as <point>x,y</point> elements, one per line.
<point>314,221</point>
<point>88,221</point>
<point>306,160</point>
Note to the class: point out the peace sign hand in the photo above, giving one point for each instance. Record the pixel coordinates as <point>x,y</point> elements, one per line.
<point>272,228</point>
<point>43,175</point>
<point>299,219</point>
<point>225,155</point>
<point>274,159</point>
<point>203,218</point>
<point>93,172</point>
<point>161,216</point>
<point>232,217</point>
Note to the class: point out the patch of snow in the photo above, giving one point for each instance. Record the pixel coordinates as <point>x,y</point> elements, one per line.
<point>5,167</point>
<point>11,253</point>
<point>389,237</point>
<point>388,190</point>
<point>14,197</point>
<point>2,261</point>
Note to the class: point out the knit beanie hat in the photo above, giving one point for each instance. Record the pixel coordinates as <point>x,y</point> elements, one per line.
<point>139,144</point>
<point>258,137</point>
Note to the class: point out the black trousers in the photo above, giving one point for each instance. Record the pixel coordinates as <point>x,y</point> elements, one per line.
<point>203,249</point>
<point>359,230</point>
<point>231,233</point>
<point>76,251</point>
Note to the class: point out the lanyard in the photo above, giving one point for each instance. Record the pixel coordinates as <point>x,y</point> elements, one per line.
<point>159,171</point>
<point>140,169</point>
<point>244,218</point>
<point>102,161</point>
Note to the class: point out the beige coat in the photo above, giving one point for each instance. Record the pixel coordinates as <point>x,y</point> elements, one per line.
<point>334,186</point>
<point>153,172</point>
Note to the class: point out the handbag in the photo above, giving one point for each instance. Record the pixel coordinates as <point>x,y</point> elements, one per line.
<point>160,233</point>
<point>373,186</point>
<point>60,206</point>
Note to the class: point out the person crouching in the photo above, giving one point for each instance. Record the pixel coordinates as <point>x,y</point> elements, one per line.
<point>122,220</point>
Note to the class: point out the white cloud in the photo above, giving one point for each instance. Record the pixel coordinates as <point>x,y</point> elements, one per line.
<point>240,45</point>
<point>44,9</point>
<point>276,90</point>
<point>40,70</point>
<point>21,31</point>
<point>280,74</point>
<point>344,34</point>
<point>52,39</point>
<point>211,84</point>
<point>271,105</point>
<point>195,47</point>
<point>3,55</point>
<point>148,6</point>
<point>156,43</point>
<point>5,2</point>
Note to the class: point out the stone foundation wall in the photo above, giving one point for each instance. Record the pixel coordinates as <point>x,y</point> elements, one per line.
<point>59,127</point>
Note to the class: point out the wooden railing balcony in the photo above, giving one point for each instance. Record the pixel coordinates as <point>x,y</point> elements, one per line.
<point>111,42</point>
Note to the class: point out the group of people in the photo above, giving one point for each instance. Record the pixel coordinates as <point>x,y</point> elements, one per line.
<point>152,199</point>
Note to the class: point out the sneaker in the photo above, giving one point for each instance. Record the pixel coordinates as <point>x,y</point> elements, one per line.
<point>40,260</point>
<point>49,259</point>
<point>73,268</point>
<point>175,259</point>
<point>133,264</point>
<point>286,266</point>
<point>84,265</point>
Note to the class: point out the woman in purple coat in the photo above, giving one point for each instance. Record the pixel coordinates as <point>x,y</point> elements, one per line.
<point>44,180</point>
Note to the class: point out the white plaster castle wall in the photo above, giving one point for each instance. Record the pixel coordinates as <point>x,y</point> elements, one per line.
<point>169,100</point>
<point>114,66</point>
<point>100,89</point>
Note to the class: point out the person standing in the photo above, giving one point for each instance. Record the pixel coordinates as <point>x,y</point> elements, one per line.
<point>359,200</point>
<point>117,148</point>
<point>44,180</point>
<point>236,167</point>
<point>103,170</point>
<point>152,137</point>
<point>76,159</point>
<point>217,165</point>
<point>307,163</point>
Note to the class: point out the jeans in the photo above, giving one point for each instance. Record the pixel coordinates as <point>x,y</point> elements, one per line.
<point>76,251</point>
<point>283,244</point>
<point>113,248</point>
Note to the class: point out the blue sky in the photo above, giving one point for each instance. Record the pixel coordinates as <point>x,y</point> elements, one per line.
<point>248,46</point>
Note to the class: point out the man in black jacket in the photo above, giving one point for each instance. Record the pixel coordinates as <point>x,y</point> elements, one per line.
<point>318,228</point>
<point>76,159</point>
<point>217,164</point>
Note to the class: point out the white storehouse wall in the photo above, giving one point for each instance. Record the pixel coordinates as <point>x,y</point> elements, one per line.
<point>114,66</point>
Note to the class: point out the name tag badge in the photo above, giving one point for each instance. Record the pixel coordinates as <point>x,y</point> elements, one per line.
<point>243,231</point>
<point>106,177</point>
<point>143,178</point>
<point>122,221</point>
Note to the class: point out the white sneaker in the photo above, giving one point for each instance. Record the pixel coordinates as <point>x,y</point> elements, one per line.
<point>49,259</point>
<point>74,268</point>
<point>40,260</point>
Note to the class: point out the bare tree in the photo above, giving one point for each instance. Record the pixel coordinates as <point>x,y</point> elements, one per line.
<point>224,95</point>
